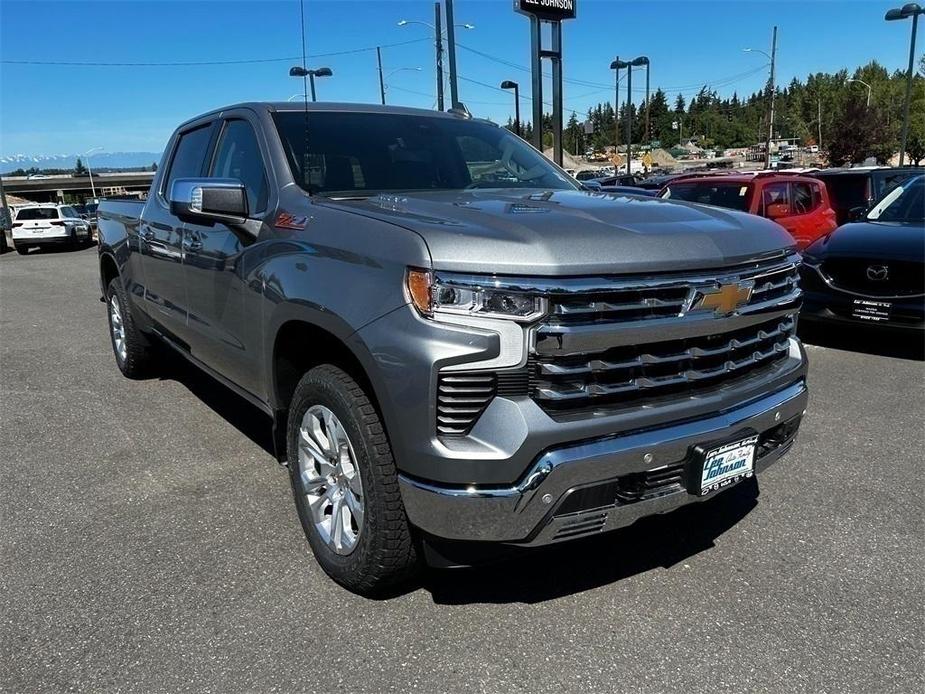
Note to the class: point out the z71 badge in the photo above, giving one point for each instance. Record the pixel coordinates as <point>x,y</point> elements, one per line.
<point>284,220</point>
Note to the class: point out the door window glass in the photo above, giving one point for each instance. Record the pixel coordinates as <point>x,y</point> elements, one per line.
<point>801,198</point>
<point>238,157</point>
<point>773,194</point>
<point>189,155</point>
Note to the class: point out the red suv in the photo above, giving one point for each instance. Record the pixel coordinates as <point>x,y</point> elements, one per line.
<point>799,204</point>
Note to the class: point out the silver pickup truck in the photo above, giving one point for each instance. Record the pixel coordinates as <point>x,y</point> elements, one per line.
<point>458,344</point>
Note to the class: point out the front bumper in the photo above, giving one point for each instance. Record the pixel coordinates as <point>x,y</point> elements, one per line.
<point>539,509</point>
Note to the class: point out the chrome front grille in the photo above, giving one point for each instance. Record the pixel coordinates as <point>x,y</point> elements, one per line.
<point>629,374</point>
<point>623,301</point>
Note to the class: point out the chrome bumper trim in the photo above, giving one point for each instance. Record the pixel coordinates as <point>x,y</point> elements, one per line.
<point>518,513</point>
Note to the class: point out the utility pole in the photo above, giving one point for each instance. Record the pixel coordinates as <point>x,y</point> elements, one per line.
<point>451,52</point>
<point>629,117</point>
<point>616,104</point>
<point>438,41</point>
<point>381,80</point>
<point>767,148</point>
<point>648,139</point>
<point>820,122</point>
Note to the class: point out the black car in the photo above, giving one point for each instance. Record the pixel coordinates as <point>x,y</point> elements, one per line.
<point>873,271</point>
<point>853,191</point>
<point>618,180</point>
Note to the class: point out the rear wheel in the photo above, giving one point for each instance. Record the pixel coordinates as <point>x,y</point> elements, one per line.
<point>129,345</point>
<point>345,484</point>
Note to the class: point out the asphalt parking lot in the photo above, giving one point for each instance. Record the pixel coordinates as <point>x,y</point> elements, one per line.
<point>149,543</point>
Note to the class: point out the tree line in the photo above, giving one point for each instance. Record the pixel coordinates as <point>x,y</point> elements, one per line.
<point>825,109</point>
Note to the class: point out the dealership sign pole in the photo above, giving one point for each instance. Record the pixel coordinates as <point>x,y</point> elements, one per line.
<point>551,12</point>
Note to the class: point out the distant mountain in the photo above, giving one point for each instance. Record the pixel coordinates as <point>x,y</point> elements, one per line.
<point>98,160</point>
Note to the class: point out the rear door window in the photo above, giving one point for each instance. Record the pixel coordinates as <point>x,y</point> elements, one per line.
<point>69,213</point>
<point>734,196</point>
<point>773,194</point>
<point>189,155</point>
<point>802,200</point>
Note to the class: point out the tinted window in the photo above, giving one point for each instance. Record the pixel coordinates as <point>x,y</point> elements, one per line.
<point>774,194</point>
<point>69,212</point>
<point>801,198</point>
<point>735,196</point>
<point>369,152</point>
<point>37,213</point>
<point>903,204</point>
<point>189,155</point>
<point>238,156</point>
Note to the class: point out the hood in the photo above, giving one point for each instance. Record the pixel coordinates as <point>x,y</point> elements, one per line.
<point>882,240</point>
<point>557,233</point>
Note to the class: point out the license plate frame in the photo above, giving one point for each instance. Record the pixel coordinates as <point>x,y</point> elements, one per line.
<point>737,454</point>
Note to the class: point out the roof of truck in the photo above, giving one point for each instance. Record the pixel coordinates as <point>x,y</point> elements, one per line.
<point>326,106</point>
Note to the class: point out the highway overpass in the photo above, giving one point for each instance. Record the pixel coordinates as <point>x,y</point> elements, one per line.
<point>52,188</point>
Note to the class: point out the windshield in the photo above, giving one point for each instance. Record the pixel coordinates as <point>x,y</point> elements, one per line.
<point>905,203</point>
<point>361,154</point>
<point>735,196</point>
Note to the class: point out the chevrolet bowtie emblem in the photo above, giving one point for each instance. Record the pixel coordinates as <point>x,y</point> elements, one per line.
<point>723,299</point>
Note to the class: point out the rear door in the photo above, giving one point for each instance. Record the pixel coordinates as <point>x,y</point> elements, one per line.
<point>215,263</point>
<point>161,236</point>
<point>811,218</point>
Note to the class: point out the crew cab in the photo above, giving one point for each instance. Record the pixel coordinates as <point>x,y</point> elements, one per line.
<point>43,225</point>
<point>799,204</point>
<point>457,344</point>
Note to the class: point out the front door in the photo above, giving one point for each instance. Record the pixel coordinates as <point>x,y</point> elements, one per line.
<point>215,266</point>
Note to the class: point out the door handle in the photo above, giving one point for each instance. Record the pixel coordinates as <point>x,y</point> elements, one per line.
<point>147,234</point>
<point>192,244</point>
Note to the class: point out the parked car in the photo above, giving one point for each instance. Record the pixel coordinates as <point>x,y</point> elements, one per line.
<point>854,191</point>
<point>587,175</point>
<point>872,272</point>
<point>799,204</point>
<point>621,180</point>
<point>454,340</point>
<point>48,224</point>
<point>629,190</point>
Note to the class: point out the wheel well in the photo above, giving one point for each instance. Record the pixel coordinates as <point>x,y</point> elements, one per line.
<point>301,346</point>
<point>108,270</point>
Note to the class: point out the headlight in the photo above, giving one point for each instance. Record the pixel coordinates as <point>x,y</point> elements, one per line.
<point>470,296</point>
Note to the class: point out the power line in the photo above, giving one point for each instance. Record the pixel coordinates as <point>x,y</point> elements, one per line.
<point>190,63</point>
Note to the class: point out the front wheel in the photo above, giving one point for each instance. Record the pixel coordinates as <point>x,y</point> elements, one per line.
<point>345,484</point>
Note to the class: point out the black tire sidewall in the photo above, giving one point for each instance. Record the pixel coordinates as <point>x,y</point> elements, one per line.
<point>319,388</point>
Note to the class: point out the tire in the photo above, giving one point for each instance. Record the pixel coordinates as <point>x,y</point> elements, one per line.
<point>381,552</point>
<point>132,350</point>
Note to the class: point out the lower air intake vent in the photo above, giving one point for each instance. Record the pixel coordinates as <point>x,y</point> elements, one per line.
<point>461,399</point>
<point>583,525</point>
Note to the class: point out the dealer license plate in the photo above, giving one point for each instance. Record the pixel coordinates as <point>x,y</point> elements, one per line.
<point>869,310</point>
<point>727,465</point>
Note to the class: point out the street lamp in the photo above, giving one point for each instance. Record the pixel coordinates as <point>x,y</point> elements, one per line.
<point>771,57</point>
<point>629,65</point>
<point>510,84</point>
<point>438,46</point>
<point>90,170</point>
<point>383,85</point>
<point>311,74</point>
<point>866,85</point>
<point>909,10</point>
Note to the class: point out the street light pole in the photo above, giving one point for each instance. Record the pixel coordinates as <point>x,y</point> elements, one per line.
<point>88,154</point>
<point>438,42</point>
<point>616,65</point>
<point>381,80</point>
<point>866,85</point>
<point>510,84</point>
<point>910,10</point>
<point>771,90</point>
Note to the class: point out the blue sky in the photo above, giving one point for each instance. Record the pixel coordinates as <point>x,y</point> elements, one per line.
<point>62,109</point>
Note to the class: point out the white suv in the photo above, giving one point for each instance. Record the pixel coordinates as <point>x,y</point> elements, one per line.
<point>48,224</point>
